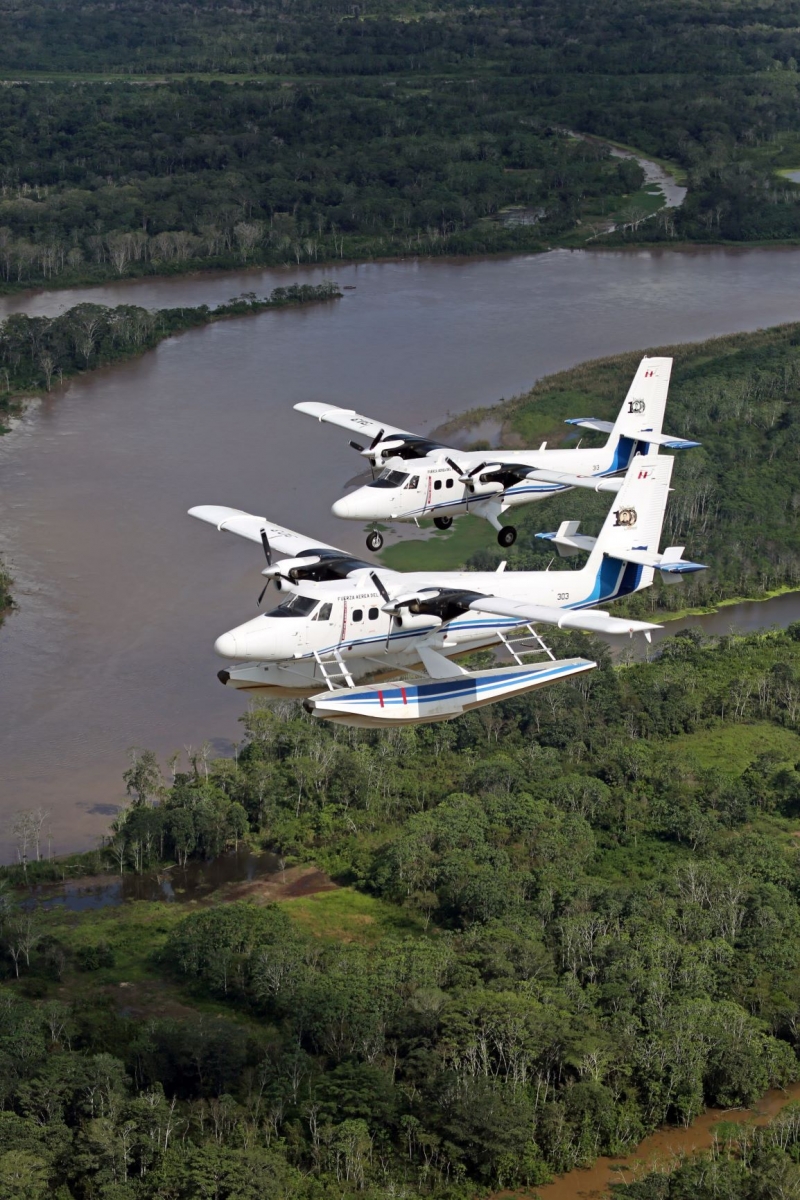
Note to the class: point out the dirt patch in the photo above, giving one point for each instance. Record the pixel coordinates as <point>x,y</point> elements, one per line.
<point>150,999</point>
<point>288,885</point>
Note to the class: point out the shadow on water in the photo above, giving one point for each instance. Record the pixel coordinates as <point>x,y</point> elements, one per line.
<point>195,881</point>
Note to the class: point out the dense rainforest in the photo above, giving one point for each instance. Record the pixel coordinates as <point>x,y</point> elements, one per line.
<point>161,137</point>
<point>562,921</point>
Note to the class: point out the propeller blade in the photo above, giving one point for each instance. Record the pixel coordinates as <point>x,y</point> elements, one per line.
<point>376,439</point>
<point>261,597</point>
<point>477,470</point>
<point>267,548</point>
<point>357,447</point>
<point>380,586</point>
<point>458,470</point>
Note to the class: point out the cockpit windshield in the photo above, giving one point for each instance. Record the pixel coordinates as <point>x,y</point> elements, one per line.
<point>295,606</point>
<point>389,479</point>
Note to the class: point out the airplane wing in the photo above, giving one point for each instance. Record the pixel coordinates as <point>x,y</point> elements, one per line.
<point>249,526</point>
<point>348,418</point>
<point>591,620</point>
<point>598,483</point>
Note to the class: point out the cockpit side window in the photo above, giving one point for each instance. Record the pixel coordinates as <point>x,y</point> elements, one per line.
<point>389,479</point>
<point>324,613</point>
<point>295,606</point>
<point>412,484</point>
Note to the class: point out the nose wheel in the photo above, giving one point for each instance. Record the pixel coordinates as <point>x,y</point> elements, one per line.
<point>443,522</point>
<point>374,540</point>
<point>507,536</point>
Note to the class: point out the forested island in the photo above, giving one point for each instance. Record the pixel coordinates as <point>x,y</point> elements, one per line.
<point>37,353</point>
<point>144,137</point>
<point>557,923</point>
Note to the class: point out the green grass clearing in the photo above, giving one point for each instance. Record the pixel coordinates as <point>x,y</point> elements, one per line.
<point>350,916</point>
<point>445,550</point>
<point>135,931</point>
<point>732,748</point>
<point>544,417</point>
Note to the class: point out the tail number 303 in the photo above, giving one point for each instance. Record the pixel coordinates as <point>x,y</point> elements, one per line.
<point>563,595</point>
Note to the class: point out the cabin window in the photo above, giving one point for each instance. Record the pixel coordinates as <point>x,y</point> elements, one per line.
<point>357,615</point>
<point>295,606</point>
<point>389,479</point>
<point>437,485</point>
<point>373,614</point>
<point>449,483</point>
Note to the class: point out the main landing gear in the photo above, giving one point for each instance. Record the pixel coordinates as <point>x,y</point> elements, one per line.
<point>374,540</point>
<point>507,536</point>
<point>443,522</point>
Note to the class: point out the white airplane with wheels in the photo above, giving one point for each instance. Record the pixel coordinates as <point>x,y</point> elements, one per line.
<point>420,477</point>
<point>342,621</point>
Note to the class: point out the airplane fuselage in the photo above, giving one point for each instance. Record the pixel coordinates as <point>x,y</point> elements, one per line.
<point>346,619</point>
<point>410,489</point>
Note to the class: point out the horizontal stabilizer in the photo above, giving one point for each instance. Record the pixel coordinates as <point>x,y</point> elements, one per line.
<point>567,540</point>
<point>666,440</point>
<point>643,434</point>
<point>591,423</point>
<point>598,483</point>
<point>671,561</point>
<point>592,620</point>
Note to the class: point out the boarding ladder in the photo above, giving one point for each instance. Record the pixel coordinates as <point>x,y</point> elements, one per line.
<point>333,670</point>
<point>517,642</point>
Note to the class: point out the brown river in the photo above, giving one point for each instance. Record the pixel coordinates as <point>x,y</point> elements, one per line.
<point>662,1150</point>
<point>121,595</point>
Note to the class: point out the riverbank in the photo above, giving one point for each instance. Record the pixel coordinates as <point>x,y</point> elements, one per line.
<point>661,1152</point>
<point>40,354</point>
<point>121,597</point>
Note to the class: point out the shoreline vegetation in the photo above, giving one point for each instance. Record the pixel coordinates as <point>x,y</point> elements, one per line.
<point>40,354</point>
<point>559,925</point>
<point>736,497</point>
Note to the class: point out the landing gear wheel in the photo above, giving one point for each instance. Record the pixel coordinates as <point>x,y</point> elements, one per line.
<point>443,522</point>
<point>507,536</point>
<point>374,541</point>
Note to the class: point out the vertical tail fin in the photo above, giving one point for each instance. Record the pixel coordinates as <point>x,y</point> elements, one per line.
<point>643,409</point>
<point>635,521</point>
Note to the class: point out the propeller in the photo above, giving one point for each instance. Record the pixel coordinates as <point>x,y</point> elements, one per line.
<point>357,446</point>
<point>268,556</point>
<point>467,477</point>
<point>379,585</point>
<point>377,438</point>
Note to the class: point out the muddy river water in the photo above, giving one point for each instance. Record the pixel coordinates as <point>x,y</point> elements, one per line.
<point>121,595</point>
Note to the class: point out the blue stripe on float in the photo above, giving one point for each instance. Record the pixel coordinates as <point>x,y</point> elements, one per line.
<point>442,690</point>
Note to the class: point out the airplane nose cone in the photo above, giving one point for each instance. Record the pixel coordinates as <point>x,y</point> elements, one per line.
<point>225,646</point>
<point>344,507</point>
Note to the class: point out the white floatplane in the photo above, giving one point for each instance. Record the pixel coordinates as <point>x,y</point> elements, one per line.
<point>342,621</point>
<point>420,477</point>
